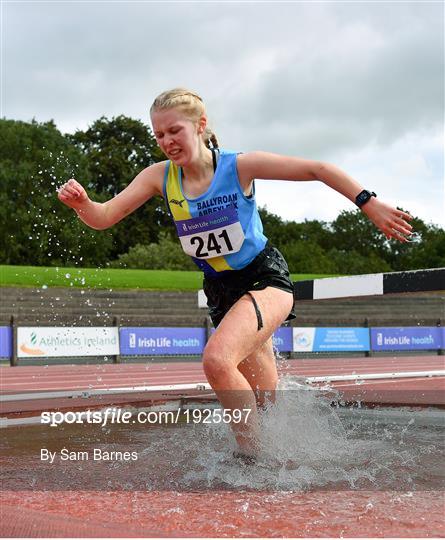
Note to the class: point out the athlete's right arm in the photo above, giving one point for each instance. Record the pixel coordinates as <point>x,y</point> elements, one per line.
<point>145,185</point>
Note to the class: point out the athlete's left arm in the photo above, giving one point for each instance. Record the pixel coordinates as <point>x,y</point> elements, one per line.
<point>265,166</point>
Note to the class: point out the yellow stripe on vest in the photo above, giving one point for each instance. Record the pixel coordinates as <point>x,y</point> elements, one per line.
<point>179,207</point>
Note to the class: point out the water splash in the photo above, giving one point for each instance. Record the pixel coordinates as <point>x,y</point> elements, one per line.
<point>305,446</point>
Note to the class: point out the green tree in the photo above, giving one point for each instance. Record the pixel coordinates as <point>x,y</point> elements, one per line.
<point>281,232</point>
<point>353,231</point>
<point>165,255</point>
<point>272,225</point>
<point>352,262</point>
<point>426,250</point>
<point>38,229</point>
<point>307,257</point>
<point>116,151</point>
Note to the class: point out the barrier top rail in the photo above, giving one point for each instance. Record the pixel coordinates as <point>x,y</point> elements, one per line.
<point>371,284</point>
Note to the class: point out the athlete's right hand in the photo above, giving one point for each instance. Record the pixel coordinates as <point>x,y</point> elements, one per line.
<point>72,194</point>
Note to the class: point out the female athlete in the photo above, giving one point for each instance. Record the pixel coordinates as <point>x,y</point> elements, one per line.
<point>211,197</point>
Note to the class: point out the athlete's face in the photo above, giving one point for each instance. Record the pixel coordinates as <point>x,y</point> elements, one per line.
<point>178,136</point>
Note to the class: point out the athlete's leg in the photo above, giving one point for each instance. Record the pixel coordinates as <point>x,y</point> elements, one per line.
<point>260,370</point>
<point>237,338</point>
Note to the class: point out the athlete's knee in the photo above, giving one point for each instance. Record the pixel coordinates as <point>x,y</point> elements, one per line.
<point>215,366</point>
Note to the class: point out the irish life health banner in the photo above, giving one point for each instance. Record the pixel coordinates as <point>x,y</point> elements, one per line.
<point>407,338</point>
<point>162,341</point>
<point>282,339</point>
<point>59,342</point>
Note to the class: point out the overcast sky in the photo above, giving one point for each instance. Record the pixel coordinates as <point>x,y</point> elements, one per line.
<point>359,84</point>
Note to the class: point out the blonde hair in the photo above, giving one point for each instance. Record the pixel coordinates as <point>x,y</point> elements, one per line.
<point>192,106</point>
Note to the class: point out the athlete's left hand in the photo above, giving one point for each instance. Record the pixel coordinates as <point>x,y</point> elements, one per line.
<point>391,221</point>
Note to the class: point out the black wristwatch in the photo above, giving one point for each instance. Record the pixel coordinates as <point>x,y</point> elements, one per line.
<point>363,197</point>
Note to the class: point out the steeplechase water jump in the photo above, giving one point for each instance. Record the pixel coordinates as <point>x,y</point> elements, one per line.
<point>253,434</point>
<point>210,195</point>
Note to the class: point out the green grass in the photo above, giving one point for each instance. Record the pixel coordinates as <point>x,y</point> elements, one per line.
<point>109,278</point>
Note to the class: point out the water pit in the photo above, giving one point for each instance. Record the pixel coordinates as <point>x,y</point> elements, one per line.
<point>323,471</point>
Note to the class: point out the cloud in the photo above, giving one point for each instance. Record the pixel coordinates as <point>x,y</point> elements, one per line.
<point>358,84</point>
<point>408,174</point>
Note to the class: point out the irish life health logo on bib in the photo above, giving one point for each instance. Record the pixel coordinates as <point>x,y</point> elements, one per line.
<point>213,235</point>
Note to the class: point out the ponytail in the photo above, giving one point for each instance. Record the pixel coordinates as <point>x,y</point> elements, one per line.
<point>210,139</point>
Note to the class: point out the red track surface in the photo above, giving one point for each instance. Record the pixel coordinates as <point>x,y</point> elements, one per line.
<point>215,513</point>
<point>31,379</point>
<point>224,515</point>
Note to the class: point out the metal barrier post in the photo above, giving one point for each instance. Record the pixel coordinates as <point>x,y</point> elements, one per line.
<point>288,354</point>
<point>366,325</point>
<point>208,326</point>
<point>440,351</point>
<point>13,359</point>
<point>117,357</point>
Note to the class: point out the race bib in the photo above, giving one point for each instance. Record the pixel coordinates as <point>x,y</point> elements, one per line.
<point>213,235</point>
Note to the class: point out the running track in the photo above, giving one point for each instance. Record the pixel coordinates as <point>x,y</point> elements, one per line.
<point>24,381</point>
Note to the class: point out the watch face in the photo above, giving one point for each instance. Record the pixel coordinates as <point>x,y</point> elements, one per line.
<point>363,197</point>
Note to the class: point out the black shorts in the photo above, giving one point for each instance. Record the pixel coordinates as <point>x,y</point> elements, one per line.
<point>268,269</point>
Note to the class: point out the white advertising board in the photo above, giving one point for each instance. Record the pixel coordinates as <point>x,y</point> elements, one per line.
<point>35,341</point>
<point>202,299</point>
<point>342,287</point>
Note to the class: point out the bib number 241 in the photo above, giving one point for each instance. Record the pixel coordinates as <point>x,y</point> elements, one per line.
<point>214,246</point>
<point>207,237</point>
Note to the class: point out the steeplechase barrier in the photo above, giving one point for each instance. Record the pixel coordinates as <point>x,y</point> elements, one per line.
<point>27,342</point>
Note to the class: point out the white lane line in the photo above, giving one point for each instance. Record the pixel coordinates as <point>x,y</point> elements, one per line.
<point>92,392</point>
<point>373,376</point>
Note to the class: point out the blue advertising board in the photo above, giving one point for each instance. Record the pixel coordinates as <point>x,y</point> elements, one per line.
<point>407,338</point>
<point>310,339</point>
<point>282,339</point>
<point>161,341</point>
<point>5,342</point>
<point>341,339</point>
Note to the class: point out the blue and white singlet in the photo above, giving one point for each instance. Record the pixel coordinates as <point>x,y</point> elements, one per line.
<point>221,229</point>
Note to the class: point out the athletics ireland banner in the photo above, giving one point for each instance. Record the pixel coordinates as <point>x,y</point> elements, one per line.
<point>41,341</point>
